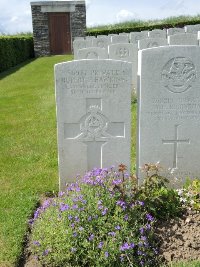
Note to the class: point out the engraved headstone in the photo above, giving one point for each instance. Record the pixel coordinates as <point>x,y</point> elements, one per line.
<point>169,110</point>
<point>92,53</point>
<point>136,36</point>
<point>78,44</point>
<point>93,115</point>
<point>151,42</point>
<point>158,33</point>
<point>126,52</point>
<point>115,39</point>
<point>172,31</point>
<point>192,28</point>
<point>183,39</point>
<point>101,42</point>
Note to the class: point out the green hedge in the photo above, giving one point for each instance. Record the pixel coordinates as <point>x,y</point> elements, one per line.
<point>14,50</point>
<point>143,27</point>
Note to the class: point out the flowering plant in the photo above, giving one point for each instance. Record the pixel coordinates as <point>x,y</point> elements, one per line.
<point>96,222</point>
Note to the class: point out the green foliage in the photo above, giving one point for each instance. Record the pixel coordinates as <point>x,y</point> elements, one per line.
<point>14,50</point>
<point>96,222</point>
<point>190,194</point>
<point>161,201</point>
<point>137,26</point>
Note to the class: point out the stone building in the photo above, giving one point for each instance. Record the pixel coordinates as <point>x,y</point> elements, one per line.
<point>56,24</point>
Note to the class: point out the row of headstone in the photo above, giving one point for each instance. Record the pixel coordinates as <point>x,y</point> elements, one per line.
<point>140,42</point>
<point>94,112</point>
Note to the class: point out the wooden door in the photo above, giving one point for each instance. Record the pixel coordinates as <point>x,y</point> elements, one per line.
<point>59,33</point>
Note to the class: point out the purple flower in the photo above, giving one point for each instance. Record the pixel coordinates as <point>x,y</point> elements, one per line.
<point>142,230</point>
<point>100,207</point>
<point>75,234</point>
<point>100,245</point>
<point>144,238</point>
<point>72,225</point>
<point>148,226</point>
<point>124,247</point>
<point>91,237</point>
<point>105,211</point>
<point>77,219</point>
<point>149,217</point>
<point>46,252</point>
<point>81,228</point>
<point>122,204</point>
<point>141,203</point>
<point>126,217</point>
<point>36,243</point>
<point>89,218</point>
<point>118,227</point>
<point>64,207</point>
<point>106,254</point>
<point>112,233</point>
<point>70,217</point>
<point>75,206</point>
<point>117,181</point>
<point>121,258</point>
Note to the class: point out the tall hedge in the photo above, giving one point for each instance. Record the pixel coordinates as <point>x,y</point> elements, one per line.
<point>14,50</point>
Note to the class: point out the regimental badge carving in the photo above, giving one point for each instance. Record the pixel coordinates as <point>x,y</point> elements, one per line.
<point>178,74</point>
<point>122,52</point>
<point>93,125</point>
<point>91,55</point>
<point>101,44</point>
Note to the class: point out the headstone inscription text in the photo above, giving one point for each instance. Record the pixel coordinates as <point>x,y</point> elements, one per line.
<point>93,115</point>
<point>169,110</point>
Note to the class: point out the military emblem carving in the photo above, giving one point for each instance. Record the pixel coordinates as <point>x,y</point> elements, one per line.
<point>178,74</point>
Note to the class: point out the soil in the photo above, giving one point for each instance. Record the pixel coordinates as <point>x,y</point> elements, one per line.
<point>179,240</point>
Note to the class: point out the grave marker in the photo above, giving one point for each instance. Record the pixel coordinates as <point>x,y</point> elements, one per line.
<point>183,39</point>
<point>92,53</point>
<point>115,39</point>
<point>192,28</point>
<point>136,36</point>
<point>158,33</point>
<point>169,110</point>
<point>93,115</point>
<point>151,42</point>
<point>172,31</point>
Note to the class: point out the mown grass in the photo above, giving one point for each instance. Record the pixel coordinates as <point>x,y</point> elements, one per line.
<point>28,160</point>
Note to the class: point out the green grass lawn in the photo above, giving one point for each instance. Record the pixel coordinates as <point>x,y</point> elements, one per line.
<point>28,148</point>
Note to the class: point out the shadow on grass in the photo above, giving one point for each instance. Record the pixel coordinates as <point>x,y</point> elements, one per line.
<point>12,70</point>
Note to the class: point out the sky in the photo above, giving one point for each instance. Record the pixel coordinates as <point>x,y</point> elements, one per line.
<point>15,15</point>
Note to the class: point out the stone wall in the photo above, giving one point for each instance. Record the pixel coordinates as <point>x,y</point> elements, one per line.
<point>78,22</point>
<point>40,32</point>
<point>41,29</point>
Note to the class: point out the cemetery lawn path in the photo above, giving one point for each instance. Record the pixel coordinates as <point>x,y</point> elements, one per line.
<point>28,159</point>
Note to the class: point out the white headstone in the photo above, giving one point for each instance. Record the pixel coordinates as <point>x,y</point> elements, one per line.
<point>169,110</point>
<point>183,39</point>
<point>126,52</point>
<point>101,42</point>
<point>92,53</point>
<point>192,28</point>
<point>93,115</point>
<point>78,44</point>
<point>115,39</point>
<point>158,34</point>
<point>172,31</point>
<point>151,42</point>
<point>136,36</point>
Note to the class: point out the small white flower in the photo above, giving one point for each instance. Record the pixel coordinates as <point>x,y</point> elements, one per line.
<point>183,199</point>
<point>192,202</point>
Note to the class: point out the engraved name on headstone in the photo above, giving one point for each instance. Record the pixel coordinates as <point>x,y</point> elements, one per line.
<point>169,110</point>
<point>93,115</point>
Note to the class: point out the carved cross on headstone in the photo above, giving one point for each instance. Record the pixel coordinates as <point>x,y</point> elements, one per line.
<point>94,129</point>
<point>175,142</point>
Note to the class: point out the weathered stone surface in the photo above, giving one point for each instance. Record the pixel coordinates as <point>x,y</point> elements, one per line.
<point>169,110</point>
<point>92,53</point>
<point>192,28</point>
<point>183,39</point>
<point>126,52</point>
<point>151,42</point>
<point>93,115</point>
<point>158,34</point>
<point>136,36</point>
<point>115,39</point>
<point>172,31</point>
<point>101,42</point>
